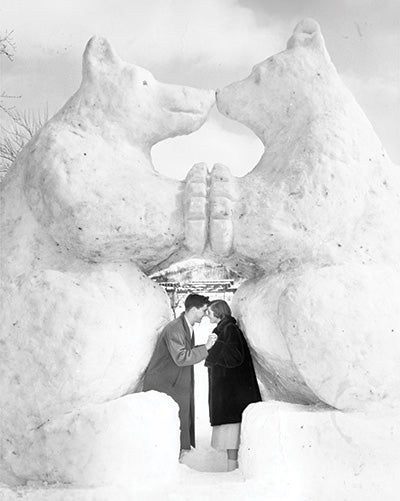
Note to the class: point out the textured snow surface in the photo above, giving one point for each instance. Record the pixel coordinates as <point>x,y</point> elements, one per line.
<point>288,452</point>
<point>306,453</point>
<point>314,225</point>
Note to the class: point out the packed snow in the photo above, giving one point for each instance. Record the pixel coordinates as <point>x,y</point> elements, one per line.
<point>314,226</point>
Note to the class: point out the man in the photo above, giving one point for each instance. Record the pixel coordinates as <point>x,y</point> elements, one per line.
<point>171,367</point>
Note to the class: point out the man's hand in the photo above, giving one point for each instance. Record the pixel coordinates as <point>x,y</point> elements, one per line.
<point>211,341</point>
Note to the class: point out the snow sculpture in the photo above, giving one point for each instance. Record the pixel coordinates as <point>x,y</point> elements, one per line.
<point>84,215</point>
<point>317,215</point>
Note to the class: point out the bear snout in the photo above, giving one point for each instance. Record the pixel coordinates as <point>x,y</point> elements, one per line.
<point>188,100</point>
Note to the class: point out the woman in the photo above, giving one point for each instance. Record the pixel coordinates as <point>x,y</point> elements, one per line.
<point>232,381</point>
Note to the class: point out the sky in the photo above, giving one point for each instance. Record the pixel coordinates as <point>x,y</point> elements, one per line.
<point>207,44</point>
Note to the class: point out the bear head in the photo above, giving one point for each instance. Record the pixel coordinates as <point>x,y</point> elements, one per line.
<point>127,100</point>
<point>283,86</point>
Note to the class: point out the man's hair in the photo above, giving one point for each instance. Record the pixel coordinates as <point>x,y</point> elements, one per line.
<point>220,308</point>
<point>195,301</point>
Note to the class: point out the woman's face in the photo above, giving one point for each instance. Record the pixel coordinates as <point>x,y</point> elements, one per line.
<point>212,317</point>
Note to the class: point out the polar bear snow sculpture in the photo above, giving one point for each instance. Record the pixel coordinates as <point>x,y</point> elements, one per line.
<point>317,213</point>
<point>84,213</point>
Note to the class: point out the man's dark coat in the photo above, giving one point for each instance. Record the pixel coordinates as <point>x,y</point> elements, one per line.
<point>232,380</point>
<point>171,371</point>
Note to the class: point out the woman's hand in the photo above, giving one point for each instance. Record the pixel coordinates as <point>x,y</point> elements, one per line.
<point>211,341</point>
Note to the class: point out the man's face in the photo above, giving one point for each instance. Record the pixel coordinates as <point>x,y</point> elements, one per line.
<point>199,313</point>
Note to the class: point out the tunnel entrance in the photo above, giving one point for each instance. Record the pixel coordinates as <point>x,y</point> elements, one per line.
<point>217,282</point>
<point>200,277</point>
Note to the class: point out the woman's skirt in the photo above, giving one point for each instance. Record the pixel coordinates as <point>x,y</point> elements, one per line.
<point>226,436</point>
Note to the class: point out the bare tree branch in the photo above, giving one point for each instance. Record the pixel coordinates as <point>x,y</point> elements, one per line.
<point>21,129</point>
<point>7,45</point>
<point>17,128</point>
<point>7,49</point>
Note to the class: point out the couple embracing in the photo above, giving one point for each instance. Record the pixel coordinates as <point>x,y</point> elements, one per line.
<point>232,381</point>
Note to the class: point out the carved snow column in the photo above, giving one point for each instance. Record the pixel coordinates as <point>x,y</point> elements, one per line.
<point>222,196</point>
<point>195,208</point>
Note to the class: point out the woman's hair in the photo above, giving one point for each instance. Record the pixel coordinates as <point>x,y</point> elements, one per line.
<point>220,308</point>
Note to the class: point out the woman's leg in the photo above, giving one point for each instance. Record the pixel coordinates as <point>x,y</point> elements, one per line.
<point>232,459</point>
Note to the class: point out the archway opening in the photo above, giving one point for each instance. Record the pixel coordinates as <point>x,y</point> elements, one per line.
<point>216,282</point>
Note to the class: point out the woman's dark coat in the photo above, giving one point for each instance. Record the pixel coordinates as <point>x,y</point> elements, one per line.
<point>232,380</point>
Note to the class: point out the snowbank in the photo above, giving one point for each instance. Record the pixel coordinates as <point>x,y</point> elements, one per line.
<point>130,439</point>
<point>306,453</point>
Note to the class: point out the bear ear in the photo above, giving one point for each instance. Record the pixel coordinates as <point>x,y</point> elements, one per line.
<point>98,55</point>
<point>307,33</point>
